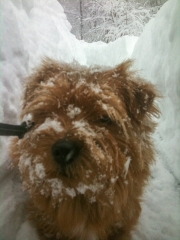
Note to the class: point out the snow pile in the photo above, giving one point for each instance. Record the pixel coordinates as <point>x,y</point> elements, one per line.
<point>34,29</point>
<point>157,52</point>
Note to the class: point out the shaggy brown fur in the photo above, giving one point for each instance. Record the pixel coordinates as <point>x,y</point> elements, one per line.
<point>108,115</point>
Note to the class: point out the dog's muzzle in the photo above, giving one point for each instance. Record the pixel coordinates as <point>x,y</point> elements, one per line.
<point>65,152</point>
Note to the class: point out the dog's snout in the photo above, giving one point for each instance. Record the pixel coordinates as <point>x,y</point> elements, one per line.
<point>64,152</point>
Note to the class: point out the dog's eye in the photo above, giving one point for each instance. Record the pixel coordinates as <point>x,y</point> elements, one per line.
<point>105,119</point>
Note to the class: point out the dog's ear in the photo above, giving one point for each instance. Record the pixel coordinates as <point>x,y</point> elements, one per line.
<point>42,77</point>
<point>137,94</point>
<point>47,70</point>
<point>138,99</point>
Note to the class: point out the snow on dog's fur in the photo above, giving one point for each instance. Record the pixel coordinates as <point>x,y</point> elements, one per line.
<point>86,160</point>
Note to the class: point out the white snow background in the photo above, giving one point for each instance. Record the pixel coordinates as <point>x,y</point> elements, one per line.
<point>37,28</point>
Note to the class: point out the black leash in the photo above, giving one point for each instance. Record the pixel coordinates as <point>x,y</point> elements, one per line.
<point>15,130</point>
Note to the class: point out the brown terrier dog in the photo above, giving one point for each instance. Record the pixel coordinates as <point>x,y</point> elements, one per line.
<point>87,158</point>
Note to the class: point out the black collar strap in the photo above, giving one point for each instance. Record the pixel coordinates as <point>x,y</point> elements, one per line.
<point>15,130</point>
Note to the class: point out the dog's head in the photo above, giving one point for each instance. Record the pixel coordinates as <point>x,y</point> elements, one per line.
<point>91,132</point>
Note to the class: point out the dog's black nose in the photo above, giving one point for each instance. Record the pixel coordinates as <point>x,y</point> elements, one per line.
<point>64,152</point>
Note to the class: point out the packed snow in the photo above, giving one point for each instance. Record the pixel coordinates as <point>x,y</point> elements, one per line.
<point>38,28</point>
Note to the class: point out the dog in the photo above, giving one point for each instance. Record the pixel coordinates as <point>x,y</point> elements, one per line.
<point>87,158</point>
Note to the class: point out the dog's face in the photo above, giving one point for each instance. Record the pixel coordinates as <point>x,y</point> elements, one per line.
<point>90,126</point>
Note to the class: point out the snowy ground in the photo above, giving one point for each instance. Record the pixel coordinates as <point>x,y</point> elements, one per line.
<point>32,29</point>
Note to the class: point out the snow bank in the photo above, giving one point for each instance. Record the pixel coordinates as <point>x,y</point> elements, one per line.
<point>157,53</point>
<point>38,28</point>
<point>111,54</point>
